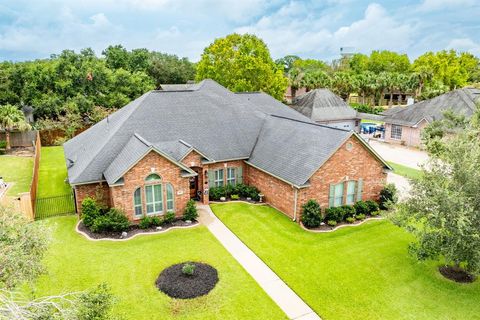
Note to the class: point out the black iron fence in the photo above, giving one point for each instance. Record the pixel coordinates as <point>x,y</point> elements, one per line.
<point>54,206</point>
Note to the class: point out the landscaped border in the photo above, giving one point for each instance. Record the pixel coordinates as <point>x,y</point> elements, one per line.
<point>342,225</point>
<point>242,201</point>
<point>135,235</point>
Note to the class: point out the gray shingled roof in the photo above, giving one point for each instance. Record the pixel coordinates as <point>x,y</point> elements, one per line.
<point>207,118</point>
<point>294,150</point>
<point>461,101</point>
<point>323,105</point>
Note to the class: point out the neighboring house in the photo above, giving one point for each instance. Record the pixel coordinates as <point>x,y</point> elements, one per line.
<point>404,124</point>
<point>170,145</point>
<point>324,107</point>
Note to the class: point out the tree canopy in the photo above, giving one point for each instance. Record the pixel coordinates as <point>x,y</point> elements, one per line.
<point>242,63</point>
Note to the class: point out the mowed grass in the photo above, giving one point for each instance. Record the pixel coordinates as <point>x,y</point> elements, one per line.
<point>17,170</point>
<point>362,272</point>
<point>52,173</point>
<point>405,171</point>
<point>131,267</point>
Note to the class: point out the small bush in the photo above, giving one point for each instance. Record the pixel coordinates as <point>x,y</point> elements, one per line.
<point>372,206</point>
<point>190,211</point>
<point>311,214</point>
<point>156,221</point>
<point>3,144</point>
<point>169,217</point>
<point>334,213</point>
<point>332,223</point>
<point>188,269</point>
<point>90,211</point>
<point>113,220</point>
<point>360,216</point>
<point>361,207</point>
<point>234,197</point>
<point>375,213</point>
<point>215,193</point>
<point>145,223</point>
<point>350,219</point>
<point>388,196</point>
<point>228,190</point>
<point>348,211</point>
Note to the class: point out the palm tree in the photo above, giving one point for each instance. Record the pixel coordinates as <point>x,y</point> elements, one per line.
<point>316,79</point>
<point>366,84</point>
<point>11,118</point>
<point>343,84</point>
<point>295,76</point>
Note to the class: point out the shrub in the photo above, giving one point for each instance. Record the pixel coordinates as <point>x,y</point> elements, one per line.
<point>360,216</point>
<point>234,197</point>
<point>332,223</point>
<point>228,190</point>
<point>156,221</point>
<point>334,213</point>
<point>388,196</point>
<point>311,214</point>
<point>90,211</point>
<point>361,207</point>
<point>3,144</point>
<point>240,189</point>
<point>190,211</point>
<point>372,206</point>
<point>188,269</point>
<point>113,220</point>
<point>215,193</point>
<point>252,192</point>
<point>145,223</point>
<point>375,213</point>
<point>169,217</point>
<point>348,211</point>
<point>350,219</point>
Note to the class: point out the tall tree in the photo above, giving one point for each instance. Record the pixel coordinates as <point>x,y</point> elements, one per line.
<point>287,62</point>
<point>168,68</point>
<point>388,61</point>
<point>11,118</point>
<point>343,84</point>
<point>242,63</point>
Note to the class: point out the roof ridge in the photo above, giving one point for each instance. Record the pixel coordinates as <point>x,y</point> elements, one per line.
<point>310,123</point>
<point>463,95</point>
<point>94,154</point>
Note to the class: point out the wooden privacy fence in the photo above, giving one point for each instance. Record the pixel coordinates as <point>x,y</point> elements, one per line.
<point>21,139</point>
<point>36,165</point>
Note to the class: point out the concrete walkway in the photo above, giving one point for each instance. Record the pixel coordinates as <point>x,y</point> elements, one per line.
<point>402,184</point>
<point>399,154</point>
<point>284,297</point>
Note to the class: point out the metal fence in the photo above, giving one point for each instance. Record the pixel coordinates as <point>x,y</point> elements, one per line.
<point>54,206</point>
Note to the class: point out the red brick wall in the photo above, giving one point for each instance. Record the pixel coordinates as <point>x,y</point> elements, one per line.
<point>99,191</point>
<point>122,196</point>
<point>343,165</point>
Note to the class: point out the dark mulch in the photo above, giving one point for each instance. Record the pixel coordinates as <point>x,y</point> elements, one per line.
<point>326,227</point>
<point>133,230</point>
<point>178,285</point>
<point>456,274</point>
<point>240,199</point>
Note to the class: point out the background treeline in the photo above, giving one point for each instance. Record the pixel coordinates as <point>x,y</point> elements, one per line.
<point>81,87</point>
<point>371,76</point>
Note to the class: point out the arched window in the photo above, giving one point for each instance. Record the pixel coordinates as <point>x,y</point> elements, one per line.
<point>153,177</point>
<point>170,197</point>
<point>137,202</point>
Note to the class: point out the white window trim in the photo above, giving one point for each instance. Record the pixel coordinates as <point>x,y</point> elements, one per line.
<point>354,194</point>
<point>154,200</point>
<point>232,180</point>
<point>171,200</point>
<point>342,195</point>
<point>391,132</point>
<point>217,181</point>
<point>135,206</point>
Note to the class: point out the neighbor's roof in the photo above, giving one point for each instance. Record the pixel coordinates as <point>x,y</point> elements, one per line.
<point>323,105</point>
<point>215,122</point>
<point>461,101</point>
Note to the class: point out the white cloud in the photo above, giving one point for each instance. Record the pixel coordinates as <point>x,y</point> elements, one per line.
<point>287,31</point>
<point>464,44</point>
<point>432,5</point>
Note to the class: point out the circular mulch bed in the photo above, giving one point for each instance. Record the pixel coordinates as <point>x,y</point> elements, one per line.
<point>456,274</point>
<point>178,285</point>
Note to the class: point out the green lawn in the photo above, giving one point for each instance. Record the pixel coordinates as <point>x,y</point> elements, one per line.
<point>131,268</point>
<point>18,170</point>
<point>52,173</point>
<point>361,272</point>
<point>405,171</point>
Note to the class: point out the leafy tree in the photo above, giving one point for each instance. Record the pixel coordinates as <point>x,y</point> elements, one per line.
<point>359,63</point>
<point>316,79</point>
<point>12,118</point>
<point>242,63</point>
<point>443,210</point>
<point>287,62</point>
<point>116,57</point>
<point>22,247</point>
<point>343,84</point>
<point>308,65</point>
<point>388,61</point>
<point>166,68</point>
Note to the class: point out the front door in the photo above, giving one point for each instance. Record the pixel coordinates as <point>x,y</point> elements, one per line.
<point>193,187</point>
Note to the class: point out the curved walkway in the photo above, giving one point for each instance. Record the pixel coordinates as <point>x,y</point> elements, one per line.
<point>281,294</point>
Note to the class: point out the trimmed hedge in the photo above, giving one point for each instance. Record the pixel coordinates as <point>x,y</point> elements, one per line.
<point>242,190</point>
<point>311,214</point>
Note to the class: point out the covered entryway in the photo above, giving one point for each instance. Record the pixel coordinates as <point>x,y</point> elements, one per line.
<point>195,185</point>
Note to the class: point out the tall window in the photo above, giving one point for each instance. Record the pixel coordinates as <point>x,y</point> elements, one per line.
<point>218,178</point>
<point>170,197</point>
<point>338,195</point>
<point>231,176</point>
<point>154,199</point>
<point>351,192</point>
<point>396,132</point>
<point>137,202</point>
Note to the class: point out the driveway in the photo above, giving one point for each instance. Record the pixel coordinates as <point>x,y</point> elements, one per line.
<point>402,184</point>
<point>399,154</point>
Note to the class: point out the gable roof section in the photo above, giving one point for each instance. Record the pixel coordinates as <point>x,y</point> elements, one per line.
<point>135,150</point>
<point>212,119</point>
<point>323,105</point>
<point>461,101</point>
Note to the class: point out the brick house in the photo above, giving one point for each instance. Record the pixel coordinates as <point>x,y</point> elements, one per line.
<point>172,145</point>
<point>404,125</point>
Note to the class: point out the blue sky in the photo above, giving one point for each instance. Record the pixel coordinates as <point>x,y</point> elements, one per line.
<point>313,29</point>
